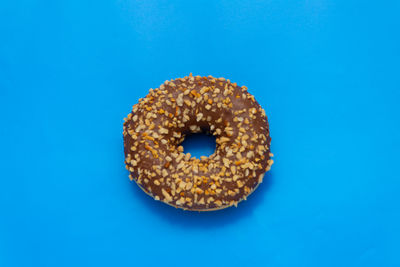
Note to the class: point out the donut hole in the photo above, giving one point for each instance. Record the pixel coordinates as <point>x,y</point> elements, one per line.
<point>199,144</point>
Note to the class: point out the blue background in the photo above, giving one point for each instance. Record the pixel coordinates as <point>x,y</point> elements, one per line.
<point>327,73</point>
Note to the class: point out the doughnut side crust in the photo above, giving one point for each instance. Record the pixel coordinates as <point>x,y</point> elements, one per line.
<point>158,124</point>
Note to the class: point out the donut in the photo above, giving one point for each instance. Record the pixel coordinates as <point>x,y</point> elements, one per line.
<point>158,124</point>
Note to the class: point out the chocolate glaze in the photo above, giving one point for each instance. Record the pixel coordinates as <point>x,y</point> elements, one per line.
<point>159,123</point>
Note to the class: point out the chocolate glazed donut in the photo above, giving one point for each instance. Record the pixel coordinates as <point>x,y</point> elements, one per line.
<point>157,125</point>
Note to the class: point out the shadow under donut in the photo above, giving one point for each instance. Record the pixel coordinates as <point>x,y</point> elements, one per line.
<point>206,219</point>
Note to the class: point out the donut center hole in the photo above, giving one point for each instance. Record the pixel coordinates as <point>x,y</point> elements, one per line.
<point>199,144</point>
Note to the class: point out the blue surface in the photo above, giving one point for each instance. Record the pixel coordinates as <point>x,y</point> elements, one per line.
<point>326,72</point>
<point>199,144</point>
